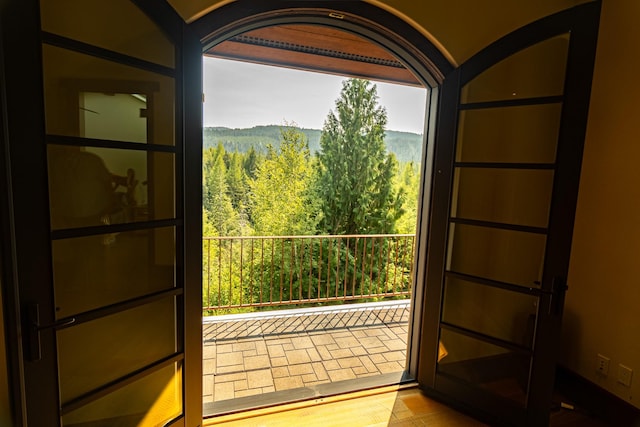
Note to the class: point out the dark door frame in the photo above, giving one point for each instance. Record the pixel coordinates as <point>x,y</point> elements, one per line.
<point>406,43</point>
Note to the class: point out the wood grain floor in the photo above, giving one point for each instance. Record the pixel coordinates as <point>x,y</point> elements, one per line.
<point>385,407</point>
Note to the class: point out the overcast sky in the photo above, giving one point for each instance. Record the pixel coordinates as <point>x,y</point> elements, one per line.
<point>242,95</point>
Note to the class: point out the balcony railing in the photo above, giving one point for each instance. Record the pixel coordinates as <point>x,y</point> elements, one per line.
<point>245,272</point>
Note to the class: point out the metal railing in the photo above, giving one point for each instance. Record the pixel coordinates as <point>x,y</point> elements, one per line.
<point>253,271</point>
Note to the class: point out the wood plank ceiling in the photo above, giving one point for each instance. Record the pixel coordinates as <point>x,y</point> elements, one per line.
<point>315,48</point>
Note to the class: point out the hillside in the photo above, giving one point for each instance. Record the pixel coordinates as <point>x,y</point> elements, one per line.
<point>405,145</point>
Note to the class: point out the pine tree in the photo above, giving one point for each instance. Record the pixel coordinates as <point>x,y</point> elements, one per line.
<point>215,198</point>
<point>355,173</point>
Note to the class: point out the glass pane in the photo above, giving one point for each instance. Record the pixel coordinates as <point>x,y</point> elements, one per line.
<point>527,134</point>
<point>113,116</point>
<point>96,271</point>
<point>117,25</point>
<point>533,72</point>
<point>499,313</point>
<point>98,186</point>
<point>507,256</point>
<point>510,196</point>
<point>82,98</point>
<point>149,402</point>
<point>95,353</point>
<point>485,365</point>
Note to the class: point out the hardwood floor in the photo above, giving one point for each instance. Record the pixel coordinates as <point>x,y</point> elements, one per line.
<point>384,407</point>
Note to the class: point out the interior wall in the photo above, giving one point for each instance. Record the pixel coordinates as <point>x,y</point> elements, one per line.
<point>601,312</point>
<point>459,28</point>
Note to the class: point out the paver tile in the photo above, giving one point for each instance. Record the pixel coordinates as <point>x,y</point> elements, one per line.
<point>257,362</point>
<point>288,383</point>
<point>236,376</point>
<point>223,391</point>
<point>279,361</point>
<point>331,364</point>
<point>349,362</point>
<point>341,375</point>
<point>227,359</point>
<point>389,367</point>
<point>320,371</point>
<point>230,368</point>
<point>302,342</point>
<point>307,378</point>
<point>359,350</point>
<point>347,342</point>
<point>275,350</point>
<point>314,355</point>
<point>322,339</point>
<point>240,385</point>
<point>394,356</point>
<point>224,348</point>
<point>298,356</point>
<point>323,352</point>
<point>303,368</point>
<point>344,352</point>
<point>280,372</point>
<point>243,346</point>
<point>260,378</point>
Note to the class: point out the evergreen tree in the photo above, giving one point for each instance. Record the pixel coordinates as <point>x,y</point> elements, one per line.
<point>281,200</point>
<point>215,198</point>
<point>355,173</point>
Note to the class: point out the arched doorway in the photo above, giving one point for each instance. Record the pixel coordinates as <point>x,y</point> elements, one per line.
<point>339,41</point>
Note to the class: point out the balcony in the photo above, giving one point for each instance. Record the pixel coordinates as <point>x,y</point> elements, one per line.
<point>295,317</point>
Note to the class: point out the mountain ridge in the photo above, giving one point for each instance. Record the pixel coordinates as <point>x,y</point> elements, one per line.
<point>407,146</point>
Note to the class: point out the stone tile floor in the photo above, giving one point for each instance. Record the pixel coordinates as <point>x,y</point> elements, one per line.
<point>247,355</point>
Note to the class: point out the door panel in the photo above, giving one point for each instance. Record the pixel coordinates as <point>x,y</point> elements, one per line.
<point>509,134</point>
<point>122,268</point>
<point>504,173</point>
<point>133,404</point>
<point>536,71</point>
<point>105,341</point>
<point>94,23</point>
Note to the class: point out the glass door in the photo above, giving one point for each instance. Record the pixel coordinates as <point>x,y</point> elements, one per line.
<point>106,320</point>
<point>508,177</point>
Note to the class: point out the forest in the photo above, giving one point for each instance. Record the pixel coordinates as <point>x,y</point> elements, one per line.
<point>269,181</point>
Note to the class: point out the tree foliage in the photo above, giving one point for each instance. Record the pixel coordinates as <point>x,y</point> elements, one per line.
<point>355,173</point>
<point>281,200</point>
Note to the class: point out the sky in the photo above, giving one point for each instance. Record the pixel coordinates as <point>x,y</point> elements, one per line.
<point>242,95</point>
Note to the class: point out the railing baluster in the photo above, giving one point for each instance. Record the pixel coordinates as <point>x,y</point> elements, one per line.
<point>364,259</point>
<point>241,278</point>
<point>271,281</point>
<point>281,267</point>
<point>319,266</point>
<point>219,272</point>
<point>373,242</point>
<point>209,274</point>
<point>395,268</point>
<point>329,254</point>
<point>386,275</point>
<point>230,274</point>
<point>346,269</point>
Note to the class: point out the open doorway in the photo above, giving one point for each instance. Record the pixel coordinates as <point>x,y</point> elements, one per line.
<point>299,299</point>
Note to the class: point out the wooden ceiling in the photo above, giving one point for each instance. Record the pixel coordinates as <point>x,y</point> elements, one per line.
<point>315,48</point>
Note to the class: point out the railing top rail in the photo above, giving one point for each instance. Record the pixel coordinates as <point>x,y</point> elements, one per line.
<point>333,236</point>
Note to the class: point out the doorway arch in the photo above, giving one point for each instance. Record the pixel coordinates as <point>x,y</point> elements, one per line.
<point>380,27</point>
